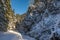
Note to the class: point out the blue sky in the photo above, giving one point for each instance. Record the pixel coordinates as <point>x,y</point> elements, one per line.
<point>20,6</point>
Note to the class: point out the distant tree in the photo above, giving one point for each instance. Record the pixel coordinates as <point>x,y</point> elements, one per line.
<point>31,2</point>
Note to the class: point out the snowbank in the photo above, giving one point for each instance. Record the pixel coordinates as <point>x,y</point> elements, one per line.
<point>12,35</point>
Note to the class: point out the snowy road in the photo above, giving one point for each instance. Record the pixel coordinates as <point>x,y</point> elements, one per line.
<point>12,35</point>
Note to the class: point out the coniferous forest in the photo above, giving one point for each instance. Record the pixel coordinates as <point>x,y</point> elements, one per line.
<point>40,22</point>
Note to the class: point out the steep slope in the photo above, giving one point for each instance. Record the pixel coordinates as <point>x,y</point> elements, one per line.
<point>42,20</point>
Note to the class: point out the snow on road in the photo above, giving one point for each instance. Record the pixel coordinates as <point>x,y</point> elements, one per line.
<point>12,35</point>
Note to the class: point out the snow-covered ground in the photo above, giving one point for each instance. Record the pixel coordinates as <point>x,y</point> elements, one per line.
<point>12,35</point>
